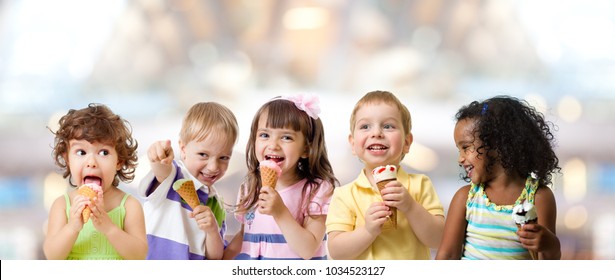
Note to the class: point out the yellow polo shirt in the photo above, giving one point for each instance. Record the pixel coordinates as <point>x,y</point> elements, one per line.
<point>349,205</point>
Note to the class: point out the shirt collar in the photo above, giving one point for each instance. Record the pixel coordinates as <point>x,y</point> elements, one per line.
<point>363,182</point>
<point>197,184</point>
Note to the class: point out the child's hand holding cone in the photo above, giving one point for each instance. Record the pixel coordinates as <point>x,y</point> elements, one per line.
<point>383,175</point>
<point>90,191</point>
<point>525,213</point>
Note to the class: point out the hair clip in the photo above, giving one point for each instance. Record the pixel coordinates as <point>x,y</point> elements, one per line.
<point>309,104</point>
<point>484,111</point>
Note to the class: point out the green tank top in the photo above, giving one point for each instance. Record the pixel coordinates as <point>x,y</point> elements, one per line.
<point>93,245</point>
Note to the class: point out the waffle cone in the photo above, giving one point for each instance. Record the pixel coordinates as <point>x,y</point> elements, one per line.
<point>269,177</point>
<point>89,193</point>
<point>188,193</point>
<point>391,223</point>
<point>533,254</point>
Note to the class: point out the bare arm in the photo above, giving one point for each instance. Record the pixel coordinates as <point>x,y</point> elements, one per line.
<point>205,219</point>
<point>130,243</point>
<point>427,227</point>
<point>234,247</point>
<point>304,239</point>
<point>62,233</point>
<point>454,228</point>
<point>350,244</point>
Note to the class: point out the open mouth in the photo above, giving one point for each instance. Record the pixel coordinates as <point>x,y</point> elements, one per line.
<point>377,147</point>
<point>92,180</point>
<point>468,169</point>
<point>276,159</point>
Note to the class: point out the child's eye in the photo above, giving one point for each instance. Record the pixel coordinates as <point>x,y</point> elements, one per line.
<point>287,138</point>
<point>103,152</point>
<point>225,158</point>
<point>388,126</point>
<point>263,135</point>
<point>80,152</point>
<point>203,155</point>
<point>363,126</point>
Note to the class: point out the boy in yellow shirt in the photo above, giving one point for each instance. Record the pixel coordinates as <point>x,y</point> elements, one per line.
<point>380,135</point>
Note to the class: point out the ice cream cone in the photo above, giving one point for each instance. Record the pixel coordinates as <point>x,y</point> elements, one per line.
<point>270,172</point>
<point>392,222</point>
<point>525,213</point>
<point>185,189</point>
<point>383,175</point>
<point>90,191</point>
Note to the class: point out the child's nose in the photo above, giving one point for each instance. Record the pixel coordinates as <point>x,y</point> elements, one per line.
<point>273,144</point>
<point>213,166</point>
<point>91,162</point>
<point>460,158</point>
<point>376,132</point>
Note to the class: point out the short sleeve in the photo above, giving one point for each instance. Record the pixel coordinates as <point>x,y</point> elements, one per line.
<point>427,195</point>
<point>320,203</point>
<point>340,217</point>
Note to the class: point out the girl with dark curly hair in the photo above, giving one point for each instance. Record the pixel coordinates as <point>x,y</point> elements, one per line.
<point>95,147</point>
<point>506,150</point>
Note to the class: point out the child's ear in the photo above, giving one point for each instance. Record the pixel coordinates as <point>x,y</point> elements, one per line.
<point>182,150</point>
<point>408,142</point>
<point>351,142</point>
<point>306,152</point>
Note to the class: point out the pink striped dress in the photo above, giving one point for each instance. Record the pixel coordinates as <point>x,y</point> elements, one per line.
<point>263,239</point>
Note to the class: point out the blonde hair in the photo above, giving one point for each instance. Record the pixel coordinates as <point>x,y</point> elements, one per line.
<point>208,118</point>
<point>377,97</point>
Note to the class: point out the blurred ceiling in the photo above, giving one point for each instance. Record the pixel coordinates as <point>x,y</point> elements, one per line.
<point>151,59</point>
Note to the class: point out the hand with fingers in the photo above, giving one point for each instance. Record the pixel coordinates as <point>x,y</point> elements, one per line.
<point>100,219</point>
<point>161,157</point>
<point>75,220</point>
<point>205,219</point>
<point>375,216</point>
<point>270,202</point>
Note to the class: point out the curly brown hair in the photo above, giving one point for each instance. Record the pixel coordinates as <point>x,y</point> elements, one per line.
<point>97,123</point>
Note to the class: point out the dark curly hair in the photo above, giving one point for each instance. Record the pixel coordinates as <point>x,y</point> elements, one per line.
<point>518,135</point>
<point>97,123</point>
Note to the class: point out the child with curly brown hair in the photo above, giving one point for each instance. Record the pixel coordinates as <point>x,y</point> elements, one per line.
<point>94,146</point>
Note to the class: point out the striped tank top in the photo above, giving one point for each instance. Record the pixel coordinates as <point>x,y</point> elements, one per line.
<point>491,231</point>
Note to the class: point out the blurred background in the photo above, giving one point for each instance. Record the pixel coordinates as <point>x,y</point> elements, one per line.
<point>150,60</point>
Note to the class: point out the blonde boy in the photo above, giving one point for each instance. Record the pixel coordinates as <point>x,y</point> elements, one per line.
<point>380,135</point>
<point>174,230</point>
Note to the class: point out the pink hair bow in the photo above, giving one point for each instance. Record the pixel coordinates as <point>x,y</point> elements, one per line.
<point>310,104</point>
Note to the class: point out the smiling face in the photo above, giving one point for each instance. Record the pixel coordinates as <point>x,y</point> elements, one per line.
<point>207,160</point>
<point>92,163</point>
<point>378,135</point>
<point>467,142</point>
<point>282,145</point>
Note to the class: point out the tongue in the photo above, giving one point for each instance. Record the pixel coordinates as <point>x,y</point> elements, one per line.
<point>92,180</point>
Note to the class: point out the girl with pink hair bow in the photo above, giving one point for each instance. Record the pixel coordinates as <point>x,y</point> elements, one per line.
<point>285,221</point>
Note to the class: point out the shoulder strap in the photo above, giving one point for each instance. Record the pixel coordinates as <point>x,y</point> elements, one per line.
<point>67,200</point>
<point>126,195</point>
<point>531,185</point>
